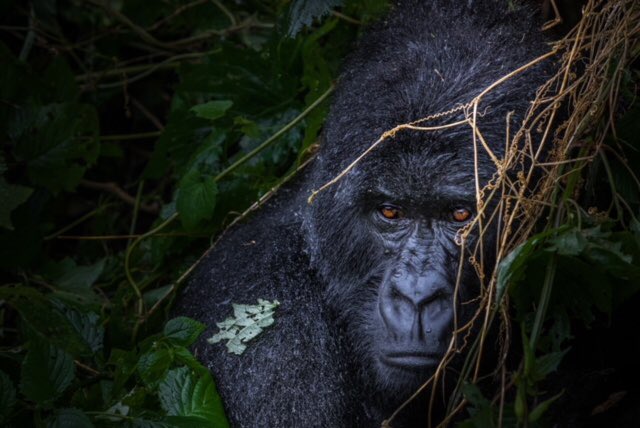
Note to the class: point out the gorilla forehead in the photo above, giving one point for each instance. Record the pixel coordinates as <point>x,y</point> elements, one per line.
<point>407,168</point>
<point>412,70</point>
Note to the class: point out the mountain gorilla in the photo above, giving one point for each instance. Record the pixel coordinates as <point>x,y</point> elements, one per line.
<point>366,273</point>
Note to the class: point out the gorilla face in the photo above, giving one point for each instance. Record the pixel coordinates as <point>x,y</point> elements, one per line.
<point>383,237</point>
<point>384,241</point>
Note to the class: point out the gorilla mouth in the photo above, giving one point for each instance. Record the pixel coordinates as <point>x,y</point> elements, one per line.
<point>410,360</point>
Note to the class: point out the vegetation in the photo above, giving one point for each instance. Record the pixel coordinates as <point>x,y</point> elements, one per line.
<point>134,132</point>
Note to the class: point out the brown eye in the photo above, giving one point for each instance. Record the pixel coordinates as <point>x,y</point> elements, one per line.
<point>390,212</point>
<point>461,214</point>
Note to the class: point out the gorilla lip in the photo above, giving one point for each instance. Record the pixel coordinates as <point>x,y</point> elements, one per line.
<point>410,360</point>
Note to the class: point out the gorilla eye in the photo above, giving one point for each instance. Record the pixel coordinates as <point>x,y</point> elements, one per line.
<point>390,212</point>
<point>461,214</point>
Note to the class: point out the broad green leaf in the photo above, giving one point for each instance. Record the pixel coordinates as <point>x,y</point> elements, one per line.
<point>47,320</point>
<point>183,331</point>
<point>73,277</point>
<point>181,137</point>
<point>212,110</point>
<point>89,327</point>
<point>512,267</point>
<point>7,397</point>
<point>183,356</point>
<point>154,364</point>
<point>186,393</point>
<point>11,195</point>
<point>74,282</point>
<point>46,372</point>
<point>569,243</point>
<point>69,418</point>
<point>58,143</point>
<point>196,199</point>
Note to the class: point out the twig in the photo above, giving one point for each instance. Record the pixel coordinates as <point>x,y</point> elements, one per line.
<point>115,190</point>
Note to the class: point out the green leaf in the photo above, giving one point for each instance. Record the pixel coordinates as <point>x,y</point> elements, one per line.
<point>11,195</point>
<point>547,364</point>
<point>196,198</point>
<point>153,365</point>
<point>124,365</point>
<point>44,318</point>
<point>184,357</point>
<point>60,81</point>
<point>212,110</point>
<point>89,327</point>
<point>248,322</point>
<point>7,397</point>
<point>570,243</point>
<point>183,331</point>
<point>543,407</point>
<point>58,142</point>
<point>481,412</point>
<point>46,373</point>
<point>512,267</point>
<point>69,418</point>
<point>185,393</point>
<point>73,277</point>
<point>473,394</point>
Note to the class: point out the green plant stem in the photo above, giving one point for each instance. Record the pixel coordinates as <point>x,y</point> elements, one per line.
<point>274,137</point>
<point>136,209</point>
<point>125,137</point>
<point>77,222</point>
<point>614,192</point>
<point>28,41</point>
<point>545,295</point>
<point>127,260</point>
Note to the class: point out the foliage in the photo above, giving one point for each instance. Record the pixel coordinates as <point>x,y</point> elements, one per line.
<point>133,132</point>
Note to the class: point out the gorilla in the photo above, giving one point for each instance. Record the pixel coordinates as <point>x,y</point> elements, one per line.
<point>367,273</point>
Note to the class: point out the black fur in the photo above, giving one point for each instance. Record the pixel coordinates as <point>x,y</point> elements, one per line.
<point>337,266</point>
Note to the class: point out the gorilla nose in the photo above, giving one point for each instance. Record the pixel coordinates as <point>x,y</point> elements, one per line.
<point>412,305</point>
<point>418,290</point>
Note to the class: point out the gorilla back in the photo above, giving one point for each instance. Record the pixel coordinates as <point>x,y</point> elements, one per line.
<point>366,274</point>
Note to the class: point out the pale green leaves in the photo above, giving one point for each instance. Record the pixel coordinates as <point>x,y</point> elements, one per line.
<point>248,321</point>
